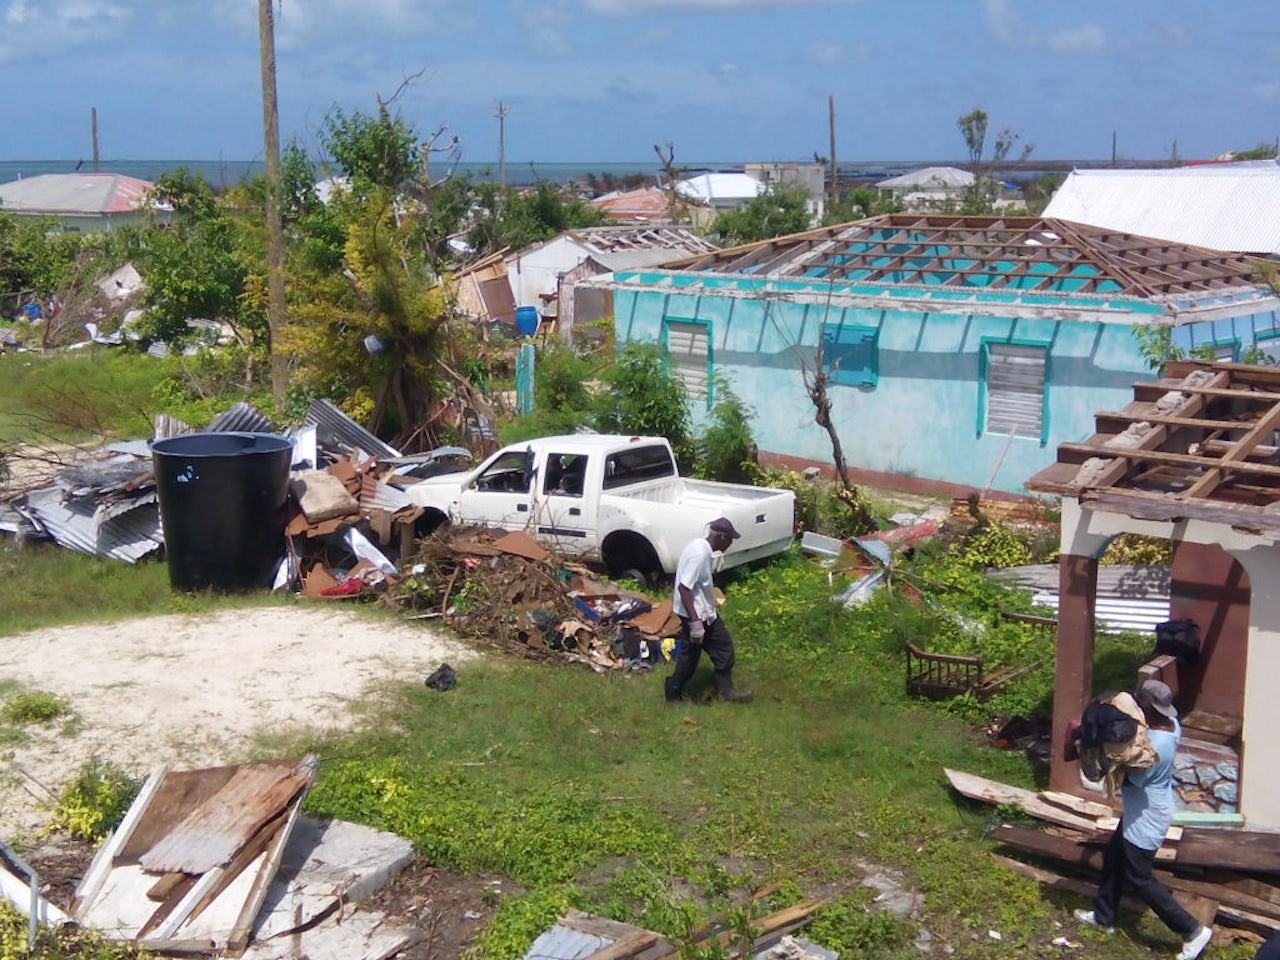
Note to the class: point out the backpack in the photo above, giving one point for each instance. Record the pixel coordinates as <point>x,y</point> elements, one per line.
<point>1179,638</point>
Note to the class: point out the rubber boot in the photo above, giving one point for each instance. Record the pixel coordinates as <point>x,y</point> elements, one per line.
<point>672,689</point>
<point>728,692</point>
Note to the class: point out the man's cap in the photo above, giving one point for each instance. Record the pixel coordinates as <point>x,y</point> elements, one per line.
<point>1157,695</point>
<point>722,525</point>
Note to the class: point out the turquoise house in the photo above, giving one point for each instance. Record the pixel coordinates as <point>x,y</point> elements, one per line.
<point>956,352</point>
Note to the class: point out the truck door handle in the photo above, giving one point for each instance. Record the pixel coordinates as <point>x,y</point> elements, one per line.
<point>575,512</point>
<point>522,508</point>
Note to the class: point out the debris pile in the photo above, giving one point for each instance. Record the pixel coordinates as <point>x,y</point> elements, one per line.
<point>507,590</point>
<point>220,860</point>
<point>1226,876</point>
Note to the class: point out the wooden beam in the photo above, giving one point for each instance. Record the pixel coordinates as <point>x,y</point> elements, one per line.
<point>1155,506</point>
<point>1160,456</point>
<point>1239,450</point>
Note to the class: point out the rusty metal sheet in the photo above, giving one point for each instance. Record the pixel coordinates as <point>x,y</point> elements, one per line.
<point>212,833</point>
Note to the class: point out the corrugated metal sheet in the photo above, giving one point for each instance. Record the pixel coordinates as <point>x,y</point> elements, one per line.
<point>565,943</point>
<point>66,193</point>
<point>243,418</point>
<point>937,177</point>
<point>335,430</point>
<point>83,525</point>
<point>1129,597</point>
<point>1219,207</point>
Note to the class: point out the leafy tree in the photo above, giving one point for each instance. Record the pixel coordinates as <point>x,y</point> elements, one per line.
<point>193,270</point>
<point>782,209</point>
<point>982,195</point>
<point>504,217</point>
<point>372,150</point>
<point>1263,151</point>
<point>727,448</point>
<point>642,396</point>
<point>858,204</point>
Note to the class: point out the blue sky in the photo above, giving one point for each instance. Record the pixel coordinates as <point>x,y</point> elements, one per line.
<point>604,80</point>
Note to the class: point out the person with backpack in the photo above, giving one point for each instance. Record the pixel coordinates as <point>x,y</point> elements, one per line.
<point>1148,811</point>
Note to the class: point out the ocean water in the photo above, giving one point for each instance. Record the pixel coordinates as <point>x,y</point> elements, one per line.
<point>225,173</point>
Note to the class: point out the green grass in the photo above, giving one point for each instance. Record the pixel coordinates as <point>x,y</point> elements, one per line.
<point>43,585</point>
<point>589,791</point>
<point>89,394</point>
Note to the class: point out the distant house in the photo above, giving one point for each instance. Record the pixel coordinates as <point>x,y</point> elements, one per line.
<point>544,275</point>
<point>935,188</point>
<point>958,351</point>
<point>710,194</point>
<point>810,177</point>
<point>644,203</point>
<point>1223,206</point>
<point>82,202</point>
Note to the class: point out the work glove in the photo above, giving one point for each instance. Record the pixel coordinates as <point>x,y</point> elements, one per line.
<point>697,631</point>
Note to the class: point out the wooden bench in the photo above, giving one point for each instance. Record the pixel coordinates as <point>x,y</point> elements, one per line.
<point>942,675</point>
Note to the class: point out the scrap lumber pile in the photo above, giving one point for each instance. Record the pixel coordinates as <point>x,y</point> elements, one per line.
<point>1226,876</point>
<point>507,590</point>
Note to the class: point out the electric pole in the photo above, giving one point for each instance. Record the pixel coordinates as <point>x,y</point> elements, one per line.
<point>275,231</point>
<point>501,112</point>
<point>831,129</point>
<point>93,114</point>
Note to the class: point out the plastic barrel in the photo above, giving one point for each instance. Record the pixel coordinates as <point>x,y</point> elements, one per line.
<point>222,508</point>
<point>527,321</point>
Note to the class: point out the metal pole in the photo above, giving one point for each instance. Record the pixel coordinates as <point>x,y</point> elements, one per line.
<point>502,109</point>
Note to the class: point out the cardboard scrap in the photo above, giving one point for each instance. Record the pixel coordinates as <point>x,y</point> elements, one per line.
<point>520,544</point>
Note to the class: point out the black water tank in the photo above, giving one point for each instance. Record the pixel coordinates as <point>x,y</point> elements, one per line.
<point>222,506</point>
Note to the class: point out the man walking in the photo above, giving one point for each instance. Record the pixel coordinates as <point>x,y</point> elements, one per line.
<point>1148,810</point>
<point>701,627</point>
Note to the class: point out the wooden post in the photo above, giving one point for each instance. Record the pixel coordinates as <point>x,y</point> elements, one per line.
<point>275,230</point>
<point>1073,680</point>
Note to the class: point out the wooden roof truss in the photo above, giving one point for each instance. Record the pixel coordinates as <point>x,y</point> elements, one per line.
<point>992,253</point>
<point>1201,443</point>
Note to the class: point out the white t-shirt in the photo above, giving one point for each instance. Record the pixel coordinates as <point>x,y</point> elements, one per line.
<point>694,571</point>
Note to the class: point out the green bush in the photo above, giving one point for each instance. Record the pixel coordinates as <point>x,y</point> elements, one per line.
<point>727,448</point>
<point>34,706</point>
<point>95,802</point>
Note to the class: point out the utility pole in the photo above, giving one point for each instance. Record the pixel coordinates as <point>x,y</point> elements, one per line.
<point>501,112</point>
<point>1113,148</point>
<point>835,167</point>
<point>93,119</point>
<point>275,230</point>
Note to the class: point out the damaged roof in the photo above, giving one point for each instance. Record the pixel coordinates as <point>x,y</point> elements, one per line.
<point>83,193</point>
<point>986,253</point>
<point>1202,442</point>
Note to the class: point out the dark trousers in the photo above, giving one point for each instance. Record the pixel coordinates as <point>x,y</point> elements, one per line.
<point>718,646</point>
<point>1123,863</point>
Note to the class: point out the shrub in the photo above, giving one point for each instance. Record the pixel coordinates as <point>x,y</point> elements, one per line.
<point>727,449</point>
<point>34,706</point>
<point>95,802</point>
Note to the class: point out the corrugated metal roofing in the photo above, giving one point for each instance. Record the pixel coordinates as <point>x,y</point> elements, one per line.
<point>1220,207</point>
<point>243,418</point>
<point>938,177</point>
<point>84,527</point>
<point>334,429</point>
<point>1128,597</point>
<point>710,187</point>
<point>68,193</point>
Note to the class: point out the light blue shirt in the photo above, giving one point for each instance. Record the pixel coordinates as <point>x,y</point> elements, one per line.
<point>1148,793</point>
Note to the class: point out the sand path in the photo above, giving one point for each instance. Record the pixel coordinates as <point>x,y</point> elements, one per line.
<point>193,690</point>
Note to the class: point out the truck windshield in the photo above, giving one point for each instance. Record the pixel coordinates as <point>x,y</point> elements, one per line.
<point>634,464</point>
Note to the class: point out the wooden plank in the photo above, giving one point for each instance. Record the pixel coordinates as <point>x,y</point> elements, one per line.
<point>211,834</point>
<point>90,884</point>
<point>1087,808</point>
<point>1240,450</point>
<point>633,943</point>
<point>1085,450</point>
<point>1238,849</point>
<point>1157,506</point>
<point>980,788</point>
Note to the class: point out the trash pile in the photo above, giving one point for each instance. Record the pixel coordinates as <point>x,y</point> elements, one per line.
<point>105,502</point>
<point>507,590</point>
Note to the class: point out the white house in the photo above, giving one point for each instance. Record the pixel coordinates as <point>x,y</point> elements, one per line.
<point>82,202</point>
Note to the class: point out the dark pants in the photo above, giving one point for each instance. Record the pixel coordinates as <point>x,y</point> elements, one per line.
<point>1269,950</point>
<point>719,647</point>
<point>1124,863</point>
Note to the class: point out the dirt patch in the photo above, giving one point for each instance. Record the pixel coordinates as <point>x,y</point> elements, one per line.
<point>194,691</point>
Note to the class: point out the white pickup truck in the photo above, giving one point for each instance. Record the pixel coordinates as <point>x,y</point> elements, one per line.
<point>615,500</point>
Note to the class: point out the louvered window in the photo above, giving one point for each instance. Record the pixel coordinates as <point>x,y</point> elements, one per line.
<point>1015,387</point>
<point>689,350</point>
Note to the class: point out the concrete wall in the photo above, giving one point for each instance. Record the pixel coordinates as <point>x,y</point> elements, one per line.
<point>922,418</point>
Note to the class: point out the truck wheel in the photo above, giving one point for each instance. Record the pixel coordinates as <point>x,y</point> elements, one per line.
<point>429,523</point>
<point>629,554</point>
